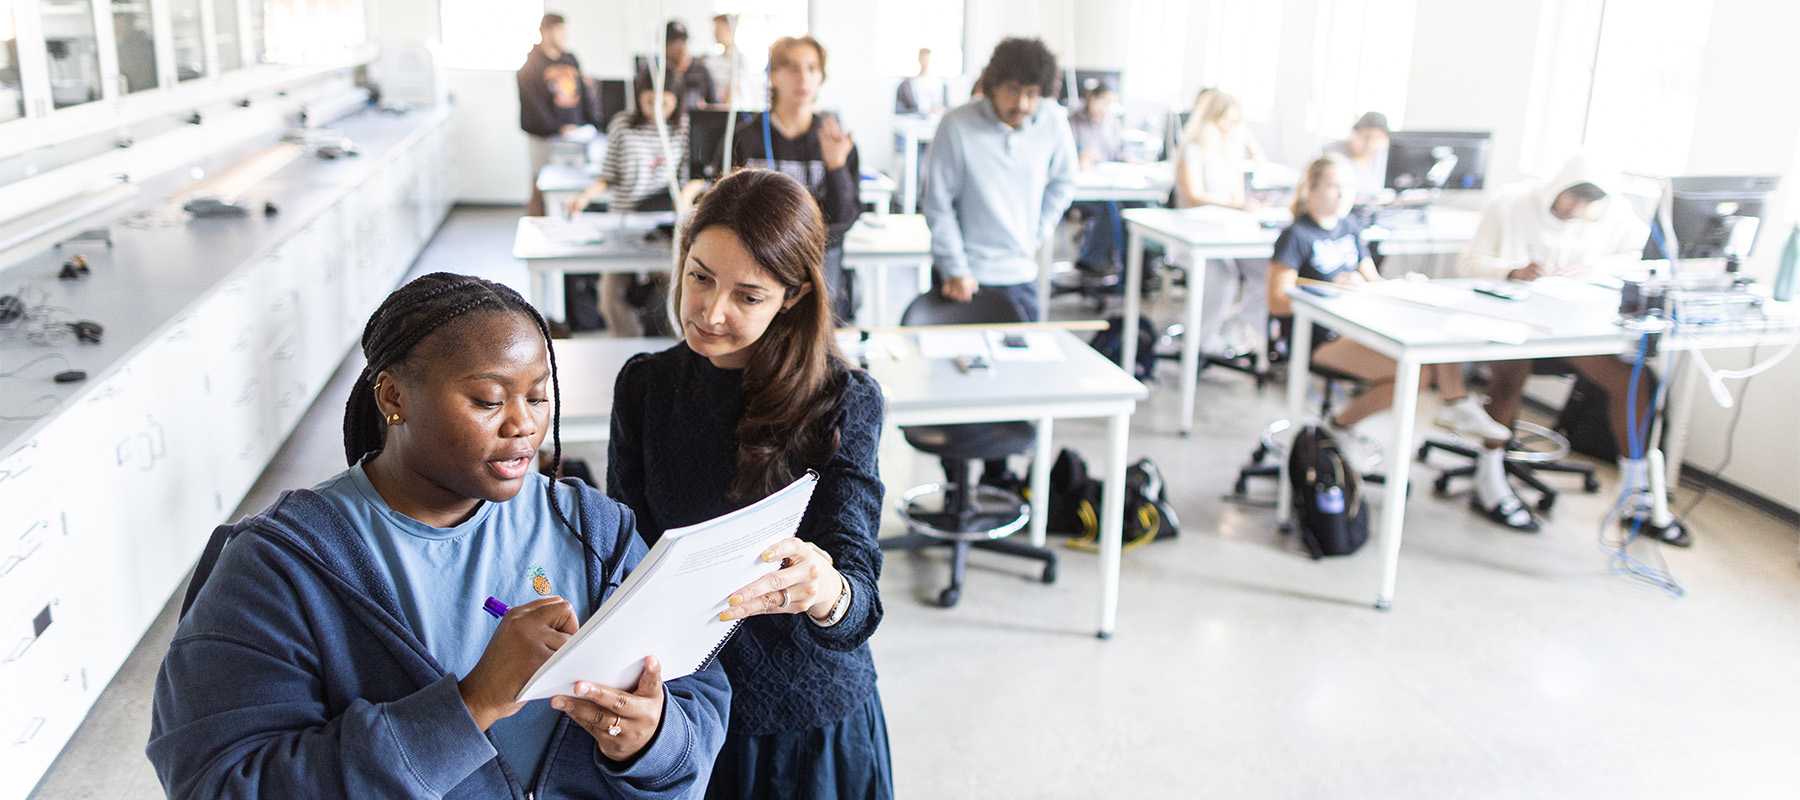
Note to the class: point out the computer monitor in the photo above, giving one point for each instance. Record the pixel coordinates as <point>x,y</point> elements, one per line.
<point>1085,79</point>
<point>1713,216</point>
<point>706,143</point>
<point>1437,160</point>
<point>612,99</point>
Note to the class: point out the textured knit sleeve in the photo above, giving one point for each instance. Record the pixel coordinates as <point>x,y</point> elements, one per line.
<point>625,452</point>
<point>846,514</point>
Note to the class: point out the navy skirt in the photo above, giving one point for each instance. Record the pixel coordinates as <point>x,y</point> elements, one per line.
<point>846,759</point>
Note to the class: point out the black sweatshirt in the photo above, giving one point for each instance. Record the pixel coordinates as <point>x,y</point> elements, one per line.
<point>672,457</point>
<point>804,160</point>
<point>552,94</point>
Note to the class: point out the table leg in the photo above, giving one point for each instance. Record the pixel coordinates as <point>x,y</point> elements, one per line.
<point>1040,483</point>
<point>909,183</point>
<point>874,312</point>
<point>1046,265</point>
<point>1679,410</point>
<point>1134,287</point>
<point>1190,341</point>
<point>1112,522</point>
<point>1393,502</point>
<point>1299,375</point>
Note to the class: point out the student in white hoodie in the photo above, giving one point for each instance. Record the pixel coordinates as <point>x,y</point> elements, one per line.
<point>1574,225</point>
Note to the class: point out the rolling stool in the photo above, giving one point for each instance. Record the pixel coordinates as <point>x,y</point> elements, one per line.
<point>969,515</point>
<point>1533,449</point>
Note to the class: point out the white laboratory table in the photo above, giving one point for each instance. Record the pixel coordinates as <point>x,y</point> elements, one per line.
<point>931,391</point>
<point>1210,232</point>
<point>1573,320</point>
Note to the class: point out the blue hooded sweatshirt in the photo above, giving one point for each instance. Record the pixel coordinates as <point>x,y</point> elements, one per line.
<point>294,674</point>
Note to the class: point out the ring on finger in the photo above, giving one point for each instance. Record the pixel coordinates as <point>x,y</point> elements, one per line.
<point>784,599</point>
<point>615,729</point>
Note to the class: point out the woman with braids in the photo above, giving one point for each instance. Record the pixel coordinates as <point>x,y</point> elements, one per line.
<point>339,647</point>
<point>756,394</point>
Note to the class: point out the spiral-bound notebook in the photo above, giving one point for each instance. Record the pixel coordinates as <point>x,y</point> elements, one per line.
<point>669,606</point>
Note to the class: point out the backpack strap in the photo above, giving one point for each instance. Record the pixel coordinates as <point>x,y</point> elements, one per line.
<point>209,558</point>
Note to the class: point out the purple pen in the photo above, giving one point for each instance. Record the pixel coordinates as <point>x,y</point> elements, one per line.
<point>495,607</point>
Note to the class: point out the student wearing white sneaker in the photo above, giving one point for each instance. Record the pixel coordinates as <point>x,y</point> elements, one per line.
<point>1325,244</point>
<point>1570,225</point>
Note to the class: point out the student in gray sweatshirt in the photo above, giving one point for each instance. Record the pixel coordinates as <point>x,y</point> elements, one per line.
<point>999,176</point>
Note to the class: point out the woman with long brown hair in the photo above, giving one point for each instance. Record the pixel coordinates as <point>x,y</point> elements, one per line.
<point>754,395</point>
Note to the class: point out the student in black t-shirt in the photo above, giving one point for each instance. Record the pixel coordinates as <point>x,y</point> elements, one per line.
<point>553,99</point>
<point>1325,245</point>
<point>809,147</point>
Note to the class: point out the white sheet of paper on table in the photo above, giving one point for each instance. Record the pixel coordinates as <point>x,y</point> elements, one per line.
<point>950,344</point>
<point>562,231</point>
<point>1039,346</point>
<point>1494,330</point>
<point>1422,292</point>
<point>1573,291</point>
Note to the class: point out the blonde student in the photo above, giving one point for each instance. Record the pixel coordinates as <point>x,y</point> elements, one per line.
<point>1325,245</point>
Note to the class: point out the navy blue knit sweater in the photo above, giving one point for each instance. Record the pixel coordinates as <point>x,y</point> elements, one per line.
<point>672,457</point>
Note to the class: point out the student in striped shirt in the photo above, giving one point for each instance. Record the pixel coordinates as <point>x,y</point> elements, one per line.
<point>639,170</point>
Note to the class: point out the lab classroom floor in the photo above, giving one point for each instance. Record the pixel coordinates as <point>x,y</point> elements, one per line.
<point>1511,666</point>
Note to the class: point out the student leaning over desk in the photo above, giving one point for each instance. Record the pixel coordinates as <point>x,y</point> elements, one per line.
<point>998,177</point>
<point>1574,225</point>
<point>755,394</point>
<point>809,147</point>
<point>340,648</point>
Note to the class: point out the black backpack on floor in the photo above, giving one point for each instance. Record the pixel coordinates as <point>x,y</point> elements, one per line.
<point>1109,343</point>
<point>1073,507</point>
<point>1329,510</point>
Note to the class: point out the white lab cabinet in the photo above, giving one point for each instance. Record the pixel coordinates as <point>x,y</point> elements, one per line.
<point>105,506</point>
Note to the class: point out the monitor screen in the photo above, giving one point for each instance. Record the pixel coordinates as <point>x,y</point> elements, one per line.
<point>1085,79</point>
<point>612,99</point>
<point>1713,216</point>
<point>1437,160</point>
<point>706,143</point>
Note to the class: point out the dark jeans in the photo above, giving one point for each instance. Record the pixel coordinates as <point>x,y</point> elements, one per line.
<point>1103,245</point>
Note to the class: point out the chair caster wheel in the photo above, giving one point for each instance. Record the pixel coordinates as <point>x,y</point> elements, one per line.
<point>1257,455</point>
<point>1049,575</point>
<point>1441,485</point>
<point>1285,528</point>
<point>948,597</point>
<point>1590,484</point>
<point>1239,488</point>
<point>1545,503</point>
<point>1424,452</point>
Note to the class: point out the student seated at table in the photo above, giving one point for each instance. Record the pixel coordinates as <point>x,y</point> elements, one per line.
<point>1216,151</point>
<point>755,395</point>
<point>793,138</point>
<point>1573,225</point>
<point>1325,245</point>
<point>1366,148</point>
<point>340,648</point>
<point>638,170</point>
<point>1098,140</point>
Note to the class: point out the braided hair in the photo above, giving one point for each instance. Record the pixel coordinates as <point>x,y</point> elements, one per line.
<point>409,315</point>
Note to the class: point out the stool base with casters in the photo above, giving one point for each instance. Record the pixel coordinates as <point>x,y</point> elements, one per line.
<point>1533,449</point>
<point>978,519</point>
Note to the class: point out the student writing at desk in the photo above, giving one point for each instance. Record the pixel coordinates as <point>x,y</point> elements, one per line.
<point>639,171</point>
<point>1325,244</point>
<point>1572,225</point>
<point>340,648</point>
<point>755,394</point>
<point>1098,140</point>
<point>793,138</point>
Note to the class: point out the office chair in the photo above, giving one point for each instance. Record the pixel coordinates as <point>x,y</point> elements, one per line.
<point>971,516</point>
<point>1533,449</point>
<point>1260,466</point>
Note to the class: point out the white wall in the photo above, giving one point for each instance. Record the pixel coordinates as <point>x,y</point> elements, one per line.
<point>1740,129</point>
